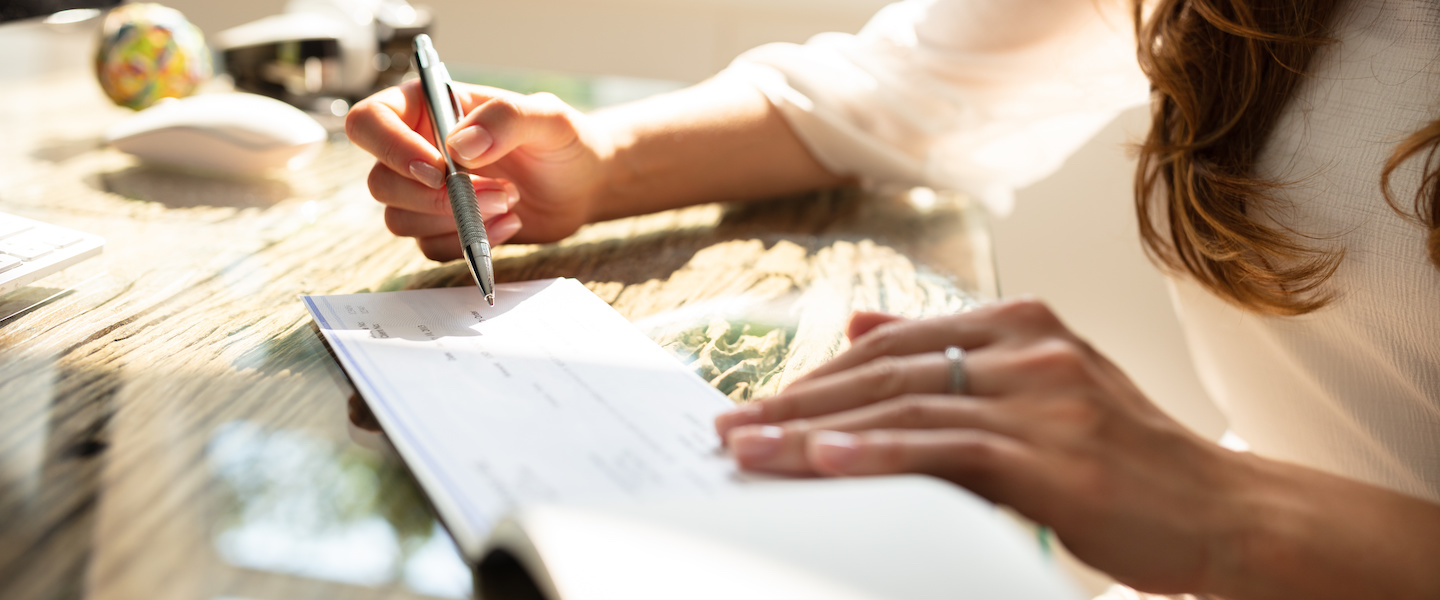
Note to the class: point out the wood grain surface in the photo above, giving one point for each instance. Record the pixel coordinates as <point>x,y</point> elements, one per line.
<point>171,425</point>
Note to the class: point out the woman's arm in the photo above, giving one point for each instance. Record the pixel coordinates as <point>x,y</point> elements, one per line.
<point>720,140</point>
<point>542,169</point>
<point>975,96</point>
<point>1050,427</point>
<point>1310,534</point>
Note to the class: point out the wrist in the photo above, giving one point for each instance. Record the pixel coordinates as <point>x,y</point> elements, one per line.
<point>1213,517</point>
<point>616,177</point>
<point>720,140</point>
<point>1252,517</point>
<point>1298,533</point>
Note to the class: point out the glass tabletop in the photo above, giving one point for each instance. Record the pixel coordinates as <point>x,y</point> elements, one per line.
<point>172,426</point>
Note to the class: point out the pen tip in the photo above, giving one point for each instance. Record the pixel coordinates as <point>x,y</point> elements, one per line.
<point>490,298</point>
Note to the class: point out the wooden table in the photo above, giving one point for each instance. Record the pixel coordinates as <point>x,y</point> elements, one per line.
<point>171,426</point>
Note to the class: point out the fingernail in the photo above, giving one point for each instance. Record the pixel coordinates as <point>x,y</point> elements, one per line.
<point>470,142</point>
<point>512,197</point>
<point>427,174</point>
<point>504,229</point>
<point>836,450</point>
<point>745,415</point>
<point>756,444</point>
<point>491,202</point>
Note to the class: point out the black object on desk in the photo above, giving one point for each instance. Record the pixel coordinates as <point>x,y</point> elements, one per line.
<point>14,10</point>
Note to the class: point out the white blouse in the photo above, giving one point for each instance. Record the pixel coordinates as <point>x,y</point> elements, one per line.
<point>985,96</point>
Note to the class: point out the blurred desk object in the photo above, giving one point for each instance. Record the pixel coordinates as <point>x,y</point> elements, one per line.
<point>171,426</point>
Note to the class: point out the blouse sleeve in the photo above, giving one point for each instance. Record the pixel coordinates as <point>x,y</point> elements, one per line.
<point>981,96</point>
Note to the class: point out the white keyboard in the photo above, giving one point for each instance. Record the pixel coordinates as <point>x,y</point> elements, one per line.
<point>31,249</point>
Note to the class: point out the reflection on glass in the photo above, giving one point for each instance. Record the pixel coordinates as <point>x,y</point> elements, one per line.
<point>751,346</point>
<point>306,506</point>
<point>739,345</point>
<point>435,567</point>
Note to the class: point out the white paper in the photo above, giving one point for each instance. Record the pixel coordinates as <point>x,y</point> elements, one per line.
<point>550,396</point>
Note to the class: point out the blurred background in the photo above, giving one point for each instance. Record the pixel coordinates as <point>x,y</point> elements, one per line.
<point>680,40</point>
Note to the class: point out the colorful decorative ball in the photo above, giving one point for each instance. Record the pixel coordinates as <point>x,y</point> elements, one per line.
<point>148,52</point>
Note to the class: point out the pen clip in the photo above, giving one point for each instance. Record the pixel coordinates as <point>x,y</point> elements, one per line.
<point>454,99</point>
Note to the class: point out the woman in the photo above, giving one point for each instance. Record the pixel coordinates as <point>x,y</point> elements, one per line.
<point>1288,185</point>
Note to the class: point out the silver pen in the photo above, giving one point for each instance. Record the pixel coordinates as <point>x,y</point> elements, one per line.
<point>444,107</point>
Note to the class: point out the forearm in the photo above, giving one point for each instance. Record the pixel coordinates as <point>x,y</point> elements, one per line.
<point>1313,535</point>
<point>720,140</point>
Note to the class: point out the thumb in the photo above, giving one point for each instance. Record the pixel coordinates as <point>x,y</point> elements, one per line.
<point>502,124</point>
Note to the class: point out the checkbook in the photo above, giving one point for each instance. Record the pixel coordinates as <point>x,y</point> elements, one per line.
<point>571,457</point>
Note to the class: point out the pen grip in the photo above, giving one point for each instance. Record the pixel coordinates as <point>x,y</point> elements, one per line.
<point>467,210</point>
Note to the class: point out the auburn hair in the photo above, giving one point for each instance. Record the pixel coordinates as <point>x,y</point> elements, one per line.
<point>1221,73</point>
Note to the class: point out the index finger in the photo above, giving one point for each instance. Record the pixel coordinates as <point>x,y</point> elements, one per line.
<point>394,127</point>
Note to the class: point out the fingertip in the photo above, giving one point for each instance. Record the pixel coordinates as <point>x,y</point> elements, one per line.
<point>512,194</point>
<point>503,228</point>
<point>863,321</point>
<point>487,184</point>
<point>742,415</point>
<point>491,196</point>
<point>440,248</point>
<point>755,445</point>
<point>470,143</point>
<point>427,174</point>
<point>491,202</point>
<point>834,452</point>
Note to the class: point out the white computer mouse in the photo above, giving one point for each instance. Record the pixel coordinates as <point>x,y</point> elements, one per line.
<point>236,133</point>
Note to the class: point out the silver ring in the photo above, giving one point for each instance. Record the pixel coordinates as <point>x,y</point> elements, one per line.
<point>956,356</point>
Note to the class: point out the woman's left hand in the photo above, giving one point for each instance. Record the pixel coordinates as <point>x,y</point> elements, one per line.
<point>1045,425</point>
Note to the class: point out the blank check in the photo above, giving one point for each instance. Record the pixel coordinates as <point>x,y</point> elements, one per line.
<point>548,396</point>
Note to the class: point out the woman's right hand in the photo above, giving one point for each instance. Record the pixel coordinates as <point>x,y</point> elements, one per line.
<point>537,163</point>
